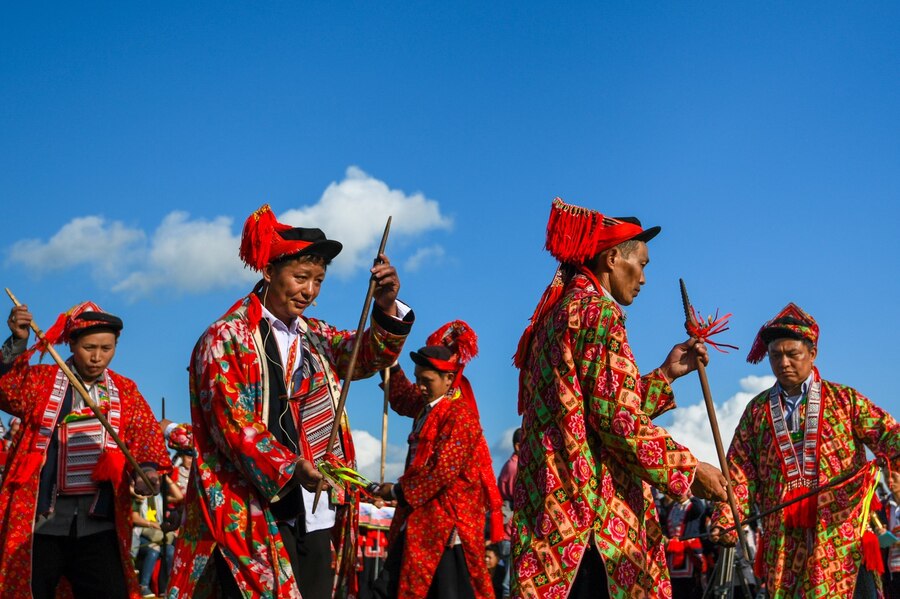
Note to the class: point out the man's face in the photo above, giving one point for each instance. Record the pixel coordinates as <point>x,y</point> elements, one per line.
<point>792,361</point>
<point>92,353</point>
<point>293,286</point>
<point>627,274</point>
<point>431,383</point>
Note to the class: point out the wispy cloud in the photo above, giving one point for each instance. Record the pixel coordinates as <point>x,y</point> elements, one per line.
<point>354,212</point>
<point>105,247</point>
<point>427,256</point>
<point>690,426</point>
<point>195,255</point>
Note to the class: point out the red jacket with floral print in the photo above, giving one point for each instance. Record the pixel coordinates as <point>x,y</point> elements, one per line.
<point>589,453</point>
<point>442,487</point>
<point>240,467</point>
<point>24,392</point>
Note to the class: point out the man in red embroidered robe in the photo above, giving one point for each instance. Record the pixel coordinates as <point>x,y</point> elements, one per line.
<point>66,503</point>
<point>436,546</point>
<point>264,384</point>
<point>590,452</point>
<point>801,434</point>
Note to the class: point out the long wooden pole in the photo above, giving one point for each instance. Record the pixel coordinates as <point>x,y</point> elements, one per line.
<point>384,420</point>
<point>345,389</point>
<point>714,425</point>
<point>76,383</point>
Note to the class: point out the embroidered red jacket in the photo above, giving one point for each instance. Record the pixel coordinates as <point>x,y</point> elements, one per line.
<point>24,392</point>
<point>443,488</point>
<point>241,465</point>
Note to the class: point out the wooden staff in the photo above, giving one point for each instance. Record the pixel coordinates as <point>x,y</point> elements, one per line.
<point>339,412</point>
<point>384,420</point>
<point>717,437</point>
<point>76,383</point>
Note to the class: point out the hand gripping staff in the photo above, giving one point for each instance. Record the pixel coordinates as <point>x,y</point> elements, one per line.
<point>87,399</point>
<point>345,389</point>
<point>695,328</point>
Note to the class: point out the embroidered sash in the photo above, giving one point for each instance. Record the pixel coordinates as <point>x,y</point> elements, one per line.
<point>82,439</point>
<point>800,473</point>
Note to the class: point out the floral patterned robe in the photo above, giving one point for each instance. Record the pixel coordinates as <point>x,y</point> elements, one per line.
<point>588,453</point>
<point>240,467</point>
<point>443,488</point>
<point>24,392</point>
<point>849,423</point>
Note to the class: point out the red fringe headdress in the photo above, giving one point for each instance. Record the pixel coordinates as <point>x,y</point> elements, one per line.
<point>792,322</point>
<point>261,242</point>
<point>79,317</point>
<point>574,235</point>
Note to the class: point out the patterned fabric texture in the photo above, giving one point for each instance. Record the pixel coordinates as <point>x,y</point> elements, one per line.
<point>588,453</point>
<point>24,392</point>
<point>240,467</point>
<point>443,488</point>
<point>806,563</point>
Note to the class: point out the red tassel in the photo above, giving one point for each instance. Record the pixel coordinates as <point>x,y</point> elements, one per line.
<point>759,562</point>
<point>24,468</point>
<point>871,551</point>
<point>459,337</point>
<point>801,514</point>
<point>675,548</point>
<point>497,533</point>
<point>256,239</point>
<point>54,334</point>
<point>110,467</point>
<point>575,234</point>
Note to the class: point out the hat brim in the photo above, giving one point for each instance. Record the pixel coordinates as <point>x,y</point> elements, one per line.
<point>423,361</point>
<point>326,248</point>
<point>647,234</point>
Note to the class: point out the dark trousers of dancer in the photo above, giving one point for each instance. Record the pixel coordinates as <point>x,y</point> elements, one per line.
<point>451,579</point>
<point>590,582</point>
<point>310,555</point>
<point>92,564</point>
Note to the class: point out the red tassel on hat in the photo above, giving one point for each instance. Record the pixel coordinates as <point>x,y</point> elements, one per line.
<point>256,238</point>
<point>458,337</point>
<point>871,551</point>
<point>110,467</point>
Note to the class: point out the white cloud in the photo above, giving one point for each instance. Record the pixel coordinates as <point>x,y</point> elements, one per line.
<point>690,425</point>
<point>354,212</point>
<point>196,256</point>
<point>107,247</point>
<point>426,256</point>
<point>191,256</point>
<point>368,457</point>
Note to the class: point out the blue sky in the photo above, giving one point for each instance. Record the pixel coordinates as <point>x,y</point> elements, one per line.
<point>136,139</point>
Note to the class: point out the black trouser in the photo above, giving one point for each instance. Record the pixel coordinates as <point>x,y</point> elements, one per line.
<point>310,556</point>
<point>590,582</point>
<point>92,564</point>
<point>451,579</point>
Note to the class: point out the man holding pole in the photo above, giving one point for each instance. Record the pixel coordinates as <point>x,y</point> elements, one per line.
<point>264,385</point>
<point>66,502</point>
<point>800,435</point>
<point>585,521</point>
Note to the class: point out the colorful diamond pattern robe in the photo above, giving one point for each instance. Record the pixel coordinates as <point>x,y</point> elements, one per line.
<point>589,452</point>
<point>240,467</point>
<point>805,563</point>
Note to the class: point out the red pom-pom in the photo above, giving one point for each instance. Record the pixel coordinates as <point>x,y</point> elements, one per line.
<point>256,239</point>
<point>871,551</point>
<point>459,338</point>
<point>110,467</point>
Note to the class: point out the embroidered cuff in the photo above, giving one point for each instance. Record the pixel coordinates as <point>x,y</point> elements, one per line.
<point>399,326</point>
